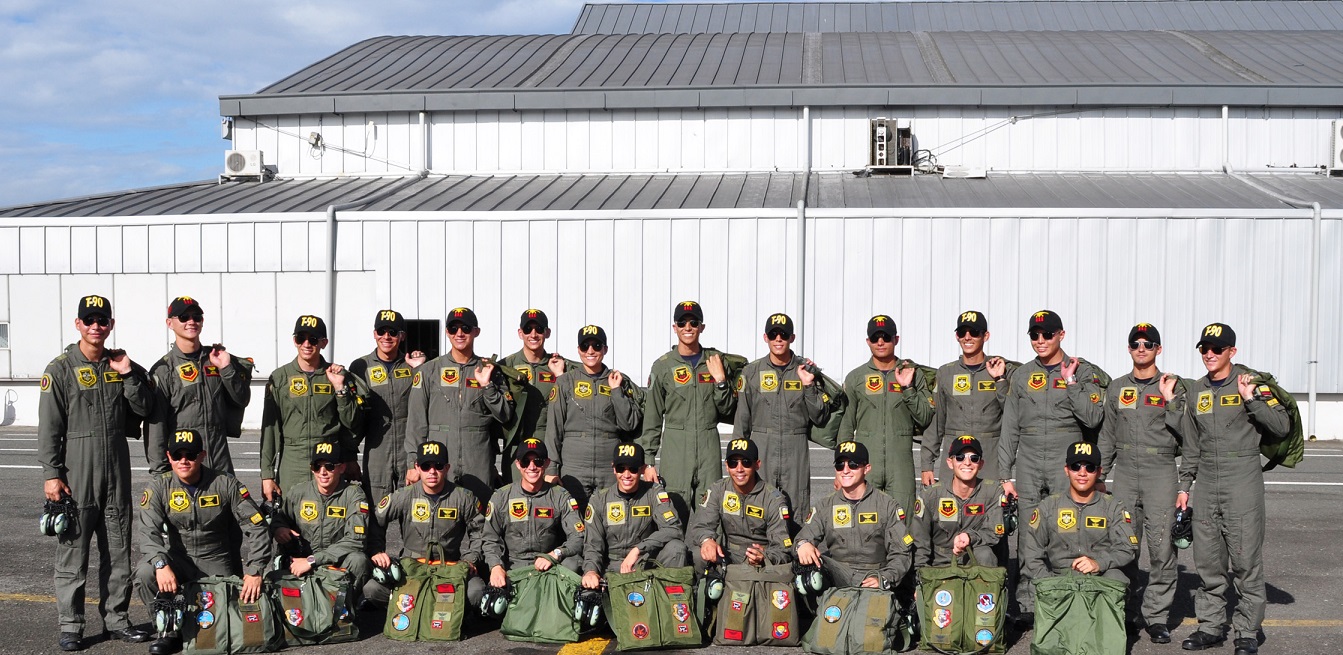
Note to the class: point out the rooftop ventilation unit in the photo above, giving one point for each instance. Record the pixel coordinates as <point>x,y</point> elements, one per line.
<point>892,150</point>
<point>1336,148</point>
<point>243,163</point>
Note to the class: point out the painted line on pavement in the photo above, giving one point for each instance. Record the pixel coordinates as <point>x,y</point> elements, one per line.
<point>136,469</point>
<point>28,439</point>
<point>18,450</point>
<point>593,646</point>
<point>1287,623</point>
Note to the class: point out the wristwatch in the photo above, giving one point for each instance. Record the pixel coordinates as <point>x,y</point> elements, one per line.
<point>722,385</point>
<point>557,553</point>
<point>312,561</point>
<point>160,564</point>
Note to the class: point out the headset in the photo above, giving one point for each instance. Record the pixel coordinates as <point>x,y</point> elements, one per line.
<point>713,582</point>
<point>808,579</point>
<point>391,576</point>
<point>58,517</point>
<point>1182,532</point>
<point>1010,513</point>
<point>495,601</point>
<point>167,610</point>
<point>588,607</point>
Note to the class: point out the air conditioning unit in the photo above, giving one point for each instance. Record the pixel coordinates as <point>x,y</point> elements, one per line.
<point>243,163</point>
<point>892,149</point>
<point>1336,148</point>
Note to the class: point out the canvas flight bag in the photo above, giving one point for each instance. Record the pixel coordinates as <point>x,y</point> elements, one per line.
<point>217,623</point>
<point>653,608</point>
<point>542,607</point>
<point>431,603</point>
<point>1079,614</point>
<point>855,621</point>
<point>962,608</point>
<point>757,607</point>
<point>314,609</point>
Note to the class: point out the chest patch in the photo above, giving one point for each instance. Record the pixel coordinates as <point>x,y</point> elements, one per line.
<point>582,389</point>
<point>841,516</point>
<point>896,388</point>
<point>400,373</point>
<point>1204,402</point>
<point>211,371</point>
<point>1152,400</point>
<point>208,501</point>
<point>960,385</point>
<point>111,376</point>
<point>335,512</point>
<point>321,388</point>
<point>1230,400</point>
<point>1036,382</point>
<point>706,378</point>
<point>525,371</point>
<point>449,513</point>
<point>449,376</point>
<point>546,376</point>
<point>308,511</point>
<point>792,385</point>
<point>874,384</point>
<point>298,386</point>
<point>87,378</point>
<point>419,511</point>
<point>974,509</point>
<point>987,385</point>
<point>681,375</point>
<point>641,511</point>
<point>545,512</point>
<point>769,381</point>
<point>178,501</point>
<point>517,509</point>
<point>755,512</point>
<point>1128,396</point>
<point>731,504</point>
<point>377,375</point>
<point>1067,519</point>
<point>615,513</point>
<point>1095,522</point>
<point>188,372</point>
<point>947,508</point>
<point>867,518</point>
<point>1060,383</point>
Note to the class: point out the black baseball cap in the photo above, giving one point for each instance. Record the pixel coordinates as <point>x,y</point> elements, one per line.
<point>591,333</point>
<point>463,315</point>
<point>182,305</point>
<point>534,316</point>
<point>743,448</point>
<point>1044,321</point>
<point>779,323</point>
<point>881,323</point>
<point>532,448</point>
<point>1085,453</point>
<point>1218,335</point>
<point>688,309</point>
<point>853,451</point>
<point>188,440</point>
<point>972,320</point>
<point>326,451</point>
<point>963,443</point>
<point>629,454</point>
<point>310,324</point>
<point>93,306</point>
<point>389,318</point>
<point>1146,331</point>
<point>431,452</point>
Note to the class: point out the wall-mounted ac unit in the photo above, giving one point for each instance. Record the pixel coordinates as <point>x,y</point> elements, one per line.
<point>243,163</point>
<point>1336,147</point>
<point>892,149</point>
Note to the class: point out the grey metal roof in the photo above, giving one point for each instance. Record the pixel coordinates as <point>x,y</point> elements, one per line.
<point>698,192</point>
<point>988,16</point>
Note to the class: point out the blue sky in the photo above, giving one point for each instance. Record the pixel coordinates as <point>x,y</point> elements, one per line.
<point>102,96</point>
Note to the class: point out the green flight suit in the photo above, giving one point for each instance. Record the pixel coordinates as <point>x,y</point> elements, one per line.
<point>859,538</point>
<point>82,412</point>
<point>1061,529</point>
<point>193,394</point>
<point>384,469</point>
<point>447,404</point>
<point>451,519</point>
<point>302,410</point>
<point>335,526</point>
<point>200,523</point>
<point>939,515</point>
<point>969,401</point>
<point>533,407</point>
<point>1221,437</point>
<point>1138,444</point>
<point>884,416</point>
<point>682,408</point>
<point>520,527</point>
<point>778,412</point>
<point>617,523</point>
<point>584,426</point>
<point>736,520</point>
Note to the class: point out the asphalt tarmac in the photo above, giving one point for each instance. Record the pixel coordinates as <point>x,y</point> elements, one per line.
<point>1302,565</point>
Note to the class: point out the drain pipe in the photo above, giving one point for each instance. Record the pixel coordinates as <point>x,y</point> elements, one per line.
<point>802,229</point>
<point>1313,364</point>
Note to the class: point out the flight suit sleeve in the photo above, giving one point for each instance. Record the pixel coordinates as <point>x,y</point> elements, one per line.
<point>1190,437</point>
<point>815,403</point>
<point>921,531</point>
<point>556,413</point>
<point>1088,396</point>
<point>163,420</point>
<point>724,400</point>
<point>354,533</point>
<point>1269,413</point>
<point>741,423</point>
<point>350,409</point>
<point>52,423</point>
<point>594,544</point>
<point>389,509</point>
<point>492,545</point>
<point>1034,541</point>
<point>417,416</point>
<point>255,541</point>
<point>898,542</point>
<point>931,452</point>
<point>498,400</point>
<point>236,380</point>
<point>1107,440</point>
<point>848,422</point>
<point>628,413</point>
<point>137,391</point>
<point>272,435</point>
<point>152,518</point>
<point>571,521</point>
<point>283,517</point>
<point>1175,410</point>
<point>655,398</point>
<point>1010,434</point>
<point>1122,545</point>
<point>919,399</point>
<point>668,525</point>
<point>779,549</point>
<point>475,526</point>
<point>704,521</point>
<point>813,531</point>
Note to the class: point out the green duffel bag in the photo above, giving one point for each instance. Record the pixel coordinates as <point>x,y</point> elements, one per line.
<point>857,620</point>
<point>217,623</point>
<point>542,607</point>
<point>757,607</point>
<point>313,609</point>
<point>962,608</point>
<point>431,603</point>
<point>1079,614</point>
<point>653,608</point>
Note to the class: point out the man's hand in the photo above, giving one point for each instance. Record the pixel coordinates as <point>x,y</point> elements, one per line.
<point>415,359</point>
<point>412,476</point>
<point>715,364</point>
<point>1086,566</point>
<point>269,489</point>
<point>872,582</point>
<point>1167,386</point>
<point>959,543</point>
<point>805,375</point>
<point>591,580</point>
<point>1245,386</point>
<point>650,473</point>
<point>1182,500</point>
<point>484,373</point>
<point>904,376</point>
<point>615,379</point>
<point>498,577</point>
<point>556,364</point>
<point>631,560</point>
<point>285,535</point>
<point>166,579</point>
<point>541,564</point>
<point>996,367</point>
<point>1069,369</point>
<point>755,555</point>
<point>299,565</point>
<point>807,555</point>
<point>554,479</point>
<point>251,589</point>
<point>118,361</point>
<point>381,560</point>
<point>1009,489</point>
<point>335,374</point>
<point>220,357</point>
<point>54,488</point>
<point>926,478</point>
<point>710,551</point>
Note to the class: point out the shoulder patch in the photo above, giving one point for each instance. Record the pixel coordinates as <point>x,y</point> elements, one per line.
<point>45,385</point>
<point>144,497</point>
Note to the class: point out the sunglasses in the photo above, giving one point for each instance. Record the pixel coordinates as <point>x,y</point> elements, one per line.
<point>102,321</point>
<point>844,463</point>
<point>323,466</point>
<point>458,328</point>
<point>1142,345</point>
<point>880,337</point>
<point>973,457</point>
<point>624,468</point>
<point>300,339</point>
<point>532,462</point>
<point>430,466</point>
<point>963,332</point>
<point>191,316</point>
<point>1077,466</point>
<point>692,323</point>
<point>775,335</point>
<point>387,332</point>
<point>734,462</point>
<point>1216,350</point>
<point>589,345</point>
<point>1037,336</point>
<point>183,455</point>
<point>533,328</point>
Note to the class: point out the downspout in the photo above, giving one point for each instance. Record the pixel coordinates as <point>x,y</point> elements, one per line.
<point>802,229</point>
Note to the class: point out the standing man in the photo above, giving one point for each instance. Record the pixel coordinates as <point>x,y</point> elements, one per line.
<point>889,403</point>
<point>1227,415</point>
<point>531,521</point>
<point>963,513</point>
<point>323,522</point>
<point>970,393</point>
<point>88,393</point>
<point>462,402</point>
<point>1052,401</point>
<point>631,523</point>
<point>688,394</point>
<point>197,388</point>
<point>540,369</point>
<point>589,409</point>
<point>741,519</point>
<point>779,400</point>
<point>308,401</point>
<point>387,373</point>
<point>1083,531</point>
<point>1138,445</point>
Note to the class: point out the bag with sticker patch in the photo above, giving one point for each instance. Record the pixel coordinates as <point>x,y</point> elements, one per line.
<point>962,608</point>
<point>1079,614</point>
<point>314,609</point>
<point>542,607</point>
<point>858,621</point>
<point>653,608</point>
<point>431,603</point>
<point>757,607</point>
<point>1290,450</point>
<point>217,623</point>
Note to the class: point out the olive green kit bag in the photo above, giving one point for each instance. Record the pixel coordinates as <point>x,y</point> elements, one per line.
<point>314,609</point>
<point>431,603</point>
<point>542,607</point>
<point>653,608</point>
<point>757,607</point>
<point>1079,614</point>
<point>216,623</point>
<point>857,620</point>
<point>962,608</point>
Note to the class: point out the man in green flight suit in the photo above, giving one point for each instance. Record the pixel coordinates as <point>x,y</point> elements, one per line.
<point>88,394</point>
<point>631,523</point>
<point>1227,416</point>
<point>460,400</point>
<point>970,393</point>
<point>779,400</point>
<point>889,403</point>
<point>324,521</point>
<point>531,521</point>
<point>688,392</point>
<point>204,389</point>
<point>741,519</point>
<point>963,513</point>
<point>308,401</point>
<point>387,373</point>
<point>540,369</point>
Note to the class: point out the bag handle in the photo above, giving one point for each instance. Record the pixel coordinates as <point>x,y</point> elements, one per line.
<point>971,560</point>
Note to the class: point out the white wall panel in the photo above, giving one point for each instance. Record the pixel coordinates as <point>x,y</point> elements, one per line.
<point>187,249</point>
<point>140,303</point>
